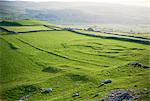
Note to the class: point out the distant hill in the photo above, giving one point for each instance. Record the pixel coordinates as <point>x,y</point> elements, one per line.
<point>75,13</point>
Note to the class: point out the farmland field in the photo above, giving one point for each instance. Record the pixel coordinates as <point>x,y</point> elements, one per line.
<point>25,28</point>
<point>68,63</point>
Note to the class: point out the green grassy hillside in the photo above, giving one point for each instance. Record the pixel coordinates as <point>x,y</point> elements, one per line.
<point>68,63</point>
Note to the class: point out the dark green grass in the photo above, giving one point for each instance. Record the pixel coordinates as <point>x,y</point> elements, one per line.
<point>51,70</point>
<point>3,32</point>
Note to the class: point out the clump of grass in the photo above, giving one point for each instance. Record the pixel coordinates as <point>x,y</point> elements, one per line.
<point>112,52</point>
<point>77,77</point>
<point>18,92</point>
<point>51,70</point>
<point>136,49</point>
<point>9,23</point>
<point>117,49</point>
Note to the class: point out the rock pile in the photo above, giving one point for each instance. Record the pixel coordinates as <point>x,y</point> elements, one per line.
<point>121,95</point>
<point>107,81</point>
<point>137,64</point>
<point>75,94</point>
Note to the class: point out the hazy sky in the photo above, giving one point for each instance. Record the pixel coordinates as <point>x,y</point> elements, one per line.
<point>127,2</point>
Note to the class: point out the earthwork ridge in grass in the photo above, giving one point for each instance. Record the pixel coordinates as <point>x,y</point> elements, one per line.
<point>98,54</point>
<point>12,45</point>
<point>56,54</point>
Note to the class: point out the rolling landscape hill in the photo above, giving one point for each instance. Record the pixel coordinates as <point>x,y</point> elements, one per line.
<point>122,18</point>
<point>75,13</point>
<point>40,61</point>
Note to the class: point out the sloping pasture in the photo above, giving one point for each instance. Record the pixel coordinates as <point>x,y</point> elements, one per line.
<point>68,62</point>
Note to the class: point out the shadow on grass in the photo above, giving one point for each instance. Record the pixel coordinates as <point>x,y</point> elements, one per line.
<point>51,70</point>
<point>77,77</point>
<point>19,92</point>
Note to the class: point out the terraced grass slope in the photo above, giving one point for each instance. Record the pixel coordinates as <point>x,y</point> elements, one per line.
<point>68,63</point>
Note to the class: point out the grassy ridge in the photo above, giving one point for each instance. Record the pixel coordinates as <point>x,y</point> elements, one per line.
<point>68,63</point>
<point>25,28</point>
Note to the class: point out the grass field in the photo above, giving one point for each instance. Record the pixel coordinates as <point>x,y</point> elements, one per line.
<point>68,62</point>
<point>25,22</point>
<point>25,28</point>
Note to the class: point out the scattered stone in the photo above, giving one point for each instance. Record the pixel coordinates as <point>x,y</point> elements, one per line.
<point>107,81</point>
<point>145,89</point>
<point>142,93</point>
<point>49,90</point>
<point>102,84</point>
<point>90,29</point>
<point>121,95</point>
<point>135,85</point>
<point>24,97</point>
<point>96,94</point>
<point>76,94</point>
<point>146,66</point>
<point>137,64</point>
<point>46,90</point>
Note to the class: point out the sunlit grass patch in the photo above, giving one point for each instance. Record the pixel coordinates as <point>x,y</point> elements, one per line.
<point>26,28</point>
